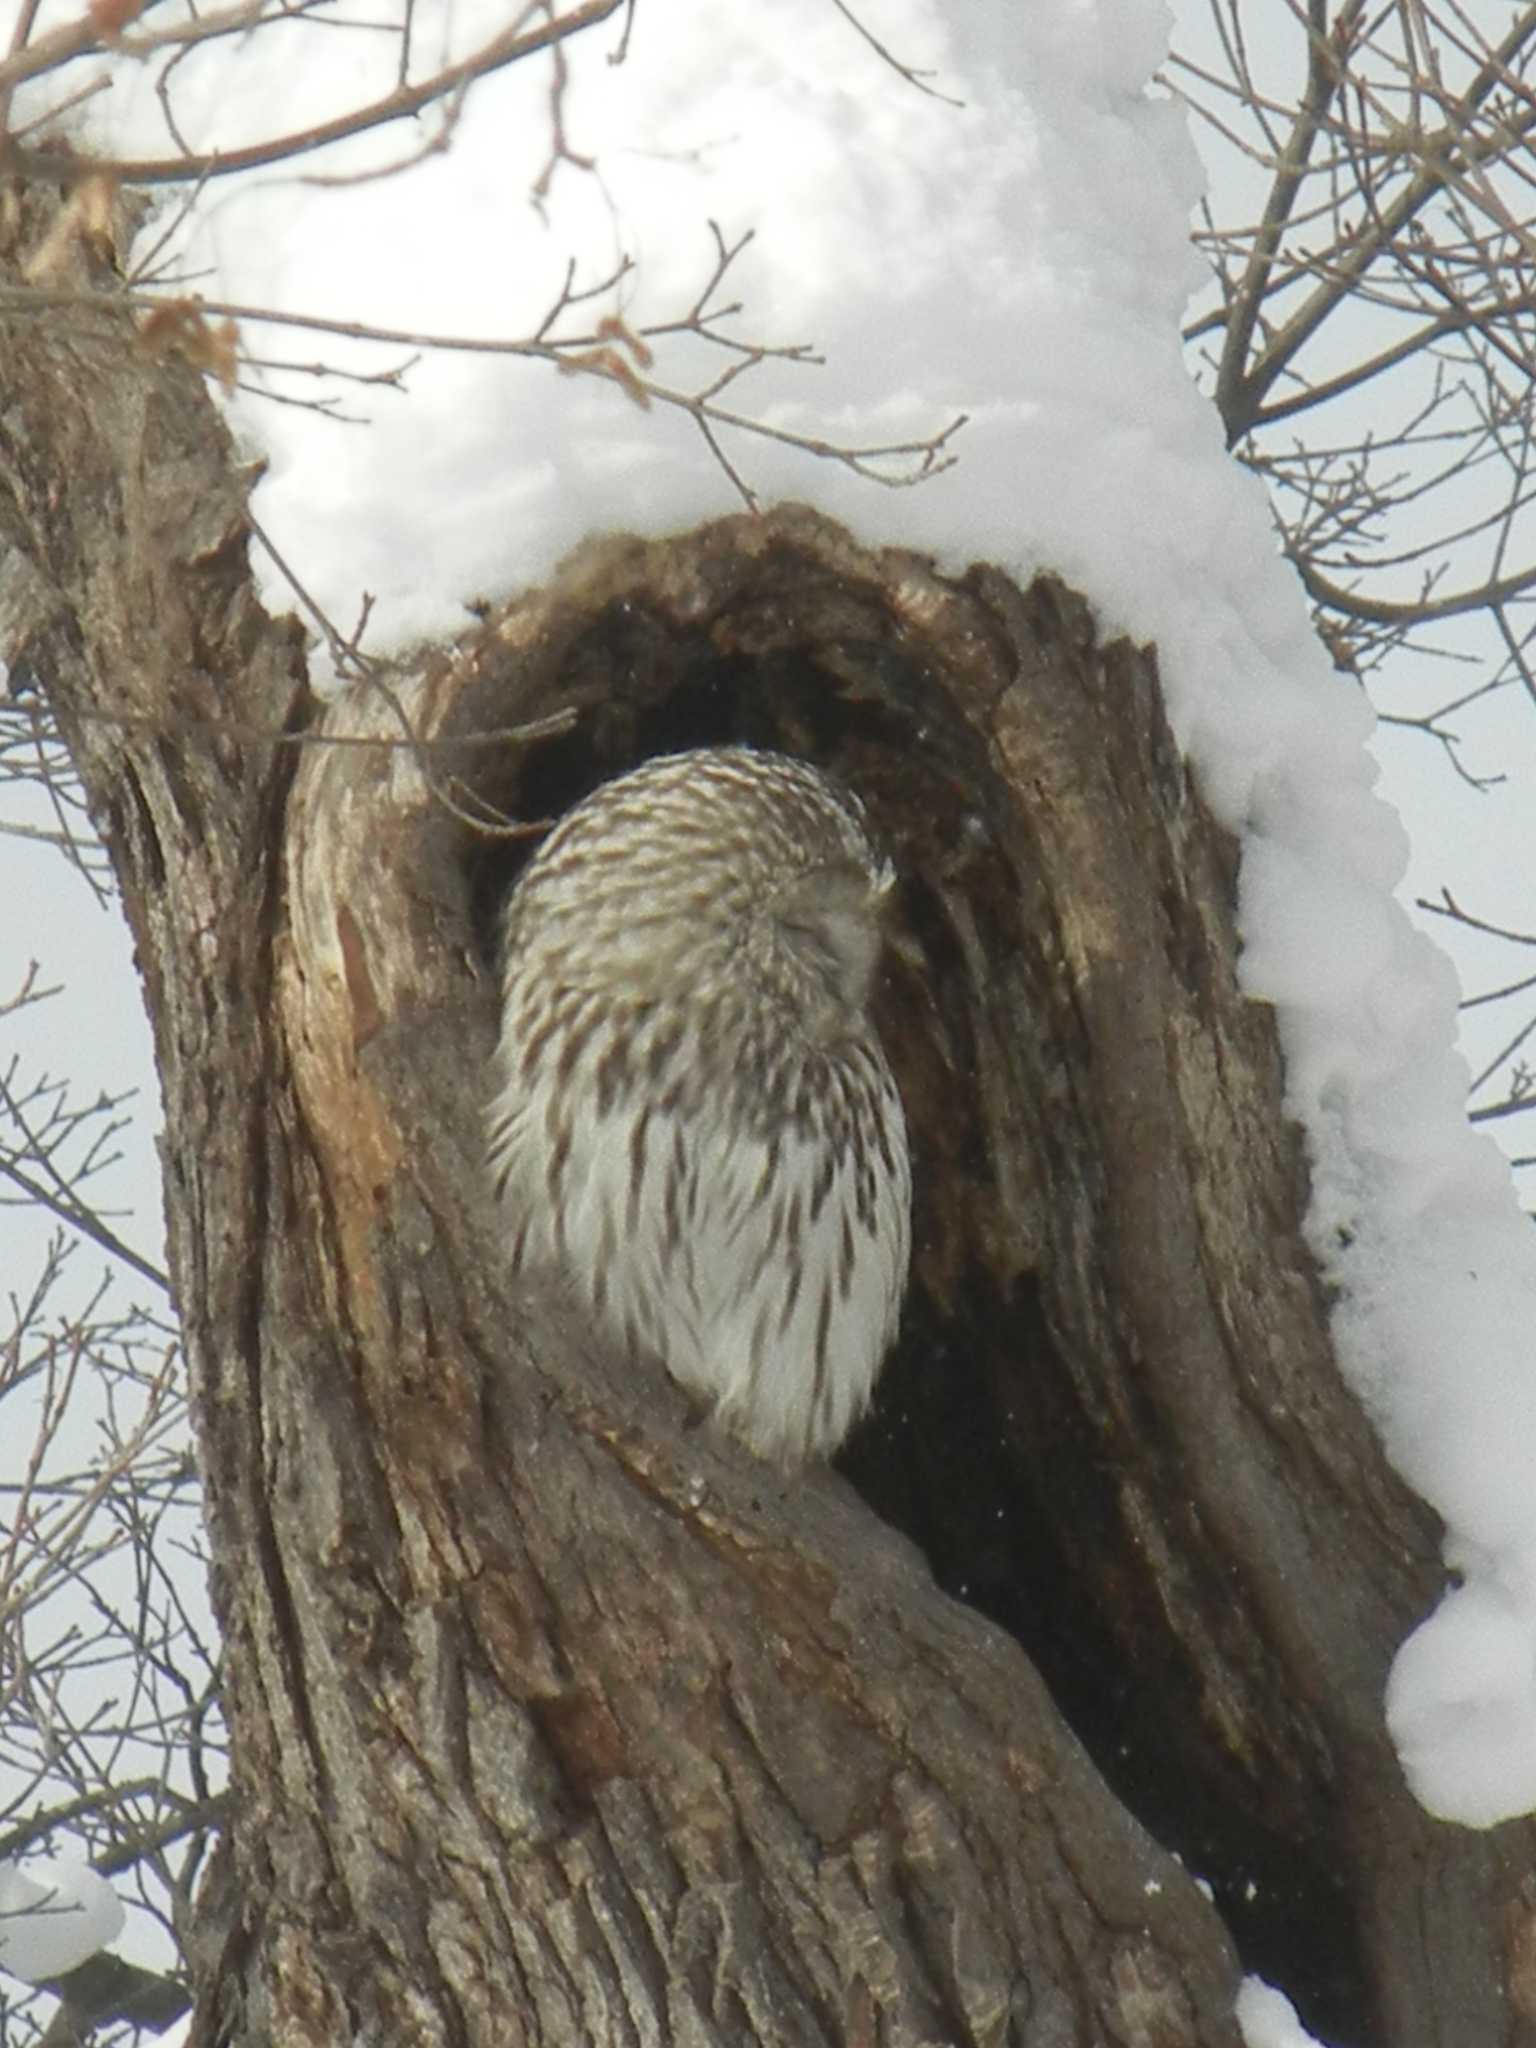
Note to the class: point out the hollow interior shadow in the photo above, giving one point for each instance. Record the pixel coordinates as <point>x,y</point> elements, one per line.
<point>985,1444</point>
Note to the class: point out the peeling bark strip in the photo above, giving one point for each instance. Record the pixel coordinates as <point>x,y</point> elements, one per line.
<point>554,1720</point>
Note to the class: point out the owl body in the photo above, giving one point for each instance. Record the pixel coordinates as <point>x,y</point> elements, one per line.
<point>695,1123</point>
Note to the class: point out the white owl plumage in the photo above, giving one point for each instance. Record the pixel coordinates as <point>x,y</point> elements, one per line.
<point>695,1124</point>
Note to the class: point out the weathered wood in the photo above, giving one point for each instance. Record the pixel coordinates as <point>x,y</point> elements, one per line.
<point>552,1718</point>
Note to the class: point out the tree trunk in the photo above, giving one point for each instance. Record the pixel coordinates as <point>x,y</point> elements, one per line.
<point>553,1718</point>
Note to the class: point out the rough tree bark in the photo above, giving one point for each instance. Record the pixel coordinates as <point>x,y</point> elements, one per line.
<point>553,1719</point>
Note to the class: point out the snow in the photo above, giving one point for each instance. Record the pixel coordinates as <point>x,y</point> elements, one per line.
<point>1023,259</point>
<point>1268,2019</point>
<point>54,1913</point>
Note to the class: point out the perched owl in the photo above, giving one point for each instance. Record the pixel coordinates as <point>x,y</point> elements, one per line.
<point>694,1122</point>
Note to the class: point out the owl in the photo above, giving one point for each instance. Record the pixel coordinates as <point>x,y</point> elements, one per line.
<point>694,1123</point>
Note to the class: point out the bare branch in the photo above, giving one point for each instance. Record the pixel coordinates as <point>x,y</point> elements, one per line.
<point>510,47</point>
<point>1390,270</point>
<point>906,71</point>
<point>895,464</point>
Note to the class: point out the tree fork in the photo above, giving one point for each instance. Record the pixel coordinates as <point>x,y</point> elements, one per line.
<point>552,1717</point>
